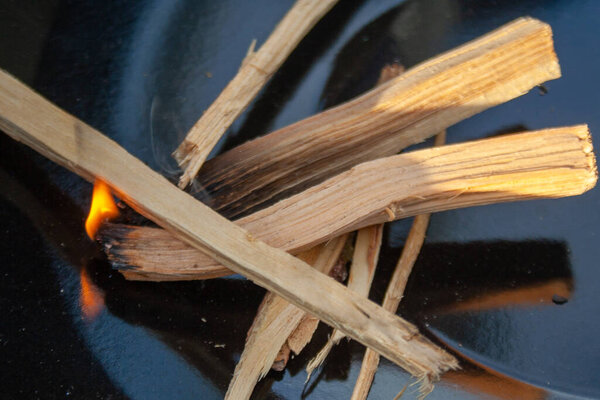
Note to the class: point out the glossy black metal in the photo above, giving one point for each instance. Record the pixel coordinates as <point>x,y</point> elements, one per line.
<point>491,282</point>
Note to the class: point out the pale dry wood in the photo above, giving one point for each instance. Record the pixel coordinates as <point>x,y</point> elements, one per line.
<point>257,68</point>
<point>362,271</point>
<point>424,100</point>
<point>29,118</point>
<point>275,320</point>
<point>395,291</point>
<point>541,164</point>
<point>303,333</point>
<point>296,342</point>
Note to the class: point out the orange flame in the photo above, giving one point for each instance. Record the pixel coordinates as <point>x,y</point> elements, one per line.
<point>91,298</point>
<point>103,208</point>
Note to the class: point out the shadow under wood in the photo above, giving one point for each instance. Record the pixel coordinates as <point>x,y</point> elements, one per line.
<point>57,217</point>
<point>451,277</point>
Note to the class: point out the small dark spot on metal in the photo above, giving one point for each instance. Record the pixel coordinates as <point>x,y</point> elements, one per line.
<point>543,90</point>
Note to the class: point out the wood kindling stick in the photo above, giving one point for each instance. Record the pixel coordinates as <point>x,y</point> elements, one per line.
<point>268,332</point>
<point>362,271</point>
<point>395,290</point>
<point>541,164</point>
<point>275,321</point>
<point>305,330</point>
<point>423,101</point>
<point>257,68</point>
<point>29,118</point>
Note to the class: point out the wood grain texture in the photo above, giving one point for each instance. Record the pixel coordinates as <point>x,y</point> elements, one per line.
<point>275,321</point>
<point>303,332</point>
<point>257,68</point>
<point>395,290</point>
<point>29,118</point>
<point>541,164</point>
<point>423,101</point>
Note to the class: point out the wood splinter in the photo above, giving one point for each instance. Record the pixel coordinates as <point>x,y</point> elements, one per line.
<point>262,341</point>
<point>395,291</point>
<point>427,98</point>
<point>29,118</point>
<point>549,163</point>
<point>257,68</point>
<point>362,271</point>
<point>276,320</point>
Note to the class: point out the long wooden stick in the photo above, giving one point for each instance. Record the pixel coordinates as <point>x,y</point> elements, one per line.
<point>29,118</point>
<point>423,101</point>
<point>395,291</point>
<point>257,68</point>
<point>276,320</point>
<point>362,271</point>
<point>302,334</point>
<point>542,164</point>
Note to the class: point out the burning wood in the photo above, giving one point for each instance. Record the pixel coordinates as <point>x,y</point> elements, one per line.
<point>486,72</point>
<point>423,101</point>
<point>103,208</point>
<point>257,68</point>
<point>541,164</point>
<point>29,118</point>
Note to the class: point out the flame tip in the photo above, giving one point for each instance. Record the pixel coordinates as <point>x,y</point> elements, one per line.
<point>103,208</point>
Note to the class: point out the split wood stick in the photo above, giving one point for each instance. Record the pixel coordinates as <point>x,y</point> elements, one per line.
<point>257,68</point>
<point>541,164</point>
<point>423,101</point>
<point>275,320</point>
<point>296,342</point>
<point>31,119</point>
<point>305,330</point>
<point>303,333</point>
<point>362,271</point>
<point>395,290</point>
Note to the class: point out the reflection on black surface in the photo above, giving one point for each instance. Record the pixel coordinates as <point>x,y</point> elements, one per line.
<point>37,333</point>
<point>480,381</point>
<point>206,322</point>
